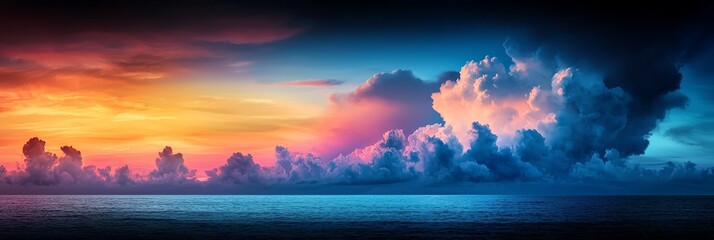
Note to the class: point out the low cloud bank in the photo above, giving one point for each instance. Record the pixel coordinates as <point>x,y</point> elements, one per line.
<point>531,122</point>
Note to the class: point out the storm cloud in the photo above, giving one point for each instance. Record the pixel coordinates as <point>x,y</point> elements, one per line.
<point>572,125</point>
<point>570,102</point>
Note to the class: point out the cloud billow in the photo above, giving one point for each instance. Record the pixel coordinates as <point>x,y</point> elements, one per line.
<point>569,129</point>
<point>170,168</point>
<point>555,112</point>
<point>386,101</point>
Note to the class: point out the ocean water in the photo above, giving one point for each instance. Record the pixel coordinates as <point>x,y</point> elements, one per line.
<point>355,216</point>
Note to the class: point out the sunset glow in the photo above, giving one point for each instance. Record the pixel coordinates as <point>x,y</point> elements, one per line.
<point>232,97</point>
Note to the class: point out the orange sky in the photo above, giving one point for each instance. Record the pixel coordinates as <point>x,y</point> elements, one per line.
<point>120,97</point>
<point>207,123</point>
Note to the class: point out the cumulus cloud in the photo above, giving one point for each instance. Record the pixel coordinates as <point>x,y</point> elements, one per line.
<point>38,164</point>
<point>572,101</point>
<point>45,168</point>
<point>440,157</point>
<point>382,162</point>
<point>527,122</point>
<point>42,168</point>
<point>500,161</point>
<point>70,166</point>
<point>649,77</point>
<point>122,176</point>
<point>395,100</point>
<point>552,112</point>
<point>558,124</point>
<point>431,155</point>
<point>170,168</point>
<point>572,113</point>
<point>238,169</point>
<point>489,92</point>
<point>296,167</point>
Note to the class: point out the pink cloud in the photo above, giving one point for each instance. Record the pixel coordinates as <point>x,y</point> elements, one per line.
<point>134,53</point>
<point>386,101</point>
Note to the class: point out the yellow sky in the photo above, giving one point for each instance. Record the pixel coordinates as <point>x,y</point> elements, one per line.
<point>119,124</point>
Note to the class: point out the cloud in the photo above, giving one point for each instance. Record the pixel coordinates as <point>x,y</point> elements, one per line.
<point>69,170</point>
<point>395,100</point>
<point>501,162</point>
<point>573,99</point>
<point>296,167</point>
<point>38,163</point>
<point>44,168</point>
<point>314,82</point>
<point>431,156</point>
<point>398,85</point>
<point>574,111</point>
<point>639,59</point>
<point>3,171</point>
<point>570,103</point>
<point>238,169</point>
<point>561,124</point>
<point>380,163</point>
<point>568,129</point>
<point>489,92</point>
<point>440,157</point>
<point>126,44</point>
<point>170,168</point>
<point>123,177</point>
<point>693,134</point>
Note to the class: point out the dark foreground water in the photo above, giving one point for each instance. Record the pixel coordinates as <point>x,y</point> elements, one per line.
<point>392,216</point>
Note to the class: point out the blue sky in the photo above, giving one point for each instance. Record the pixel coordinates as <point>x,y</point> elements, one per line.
<point>698,87</point>
<point>355,57</point>
<point>294,95</point>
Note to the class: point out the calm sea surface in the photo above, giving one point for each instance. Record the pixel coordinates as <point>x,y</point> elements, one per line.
<point>346,216</point>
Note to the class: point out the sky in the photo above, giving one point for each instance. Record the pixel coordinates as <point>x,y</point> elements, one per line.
<point>134,97</point>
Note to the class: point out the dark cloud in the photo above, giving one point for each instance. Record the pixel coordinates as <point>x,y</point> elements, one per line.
<point>441,157</point>
<point>592,119</point>
<point>529,146</point>
<point>639,52</point>
<point>607,75</point>
<point>443,163</point>
<point>446,76</point>
<point>483,150</point>
<point>216,21</point>
<point>694,134</point>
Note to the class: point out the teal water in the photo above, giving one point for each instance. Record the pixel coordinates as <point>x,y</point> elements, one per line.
<point>293,216</point>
